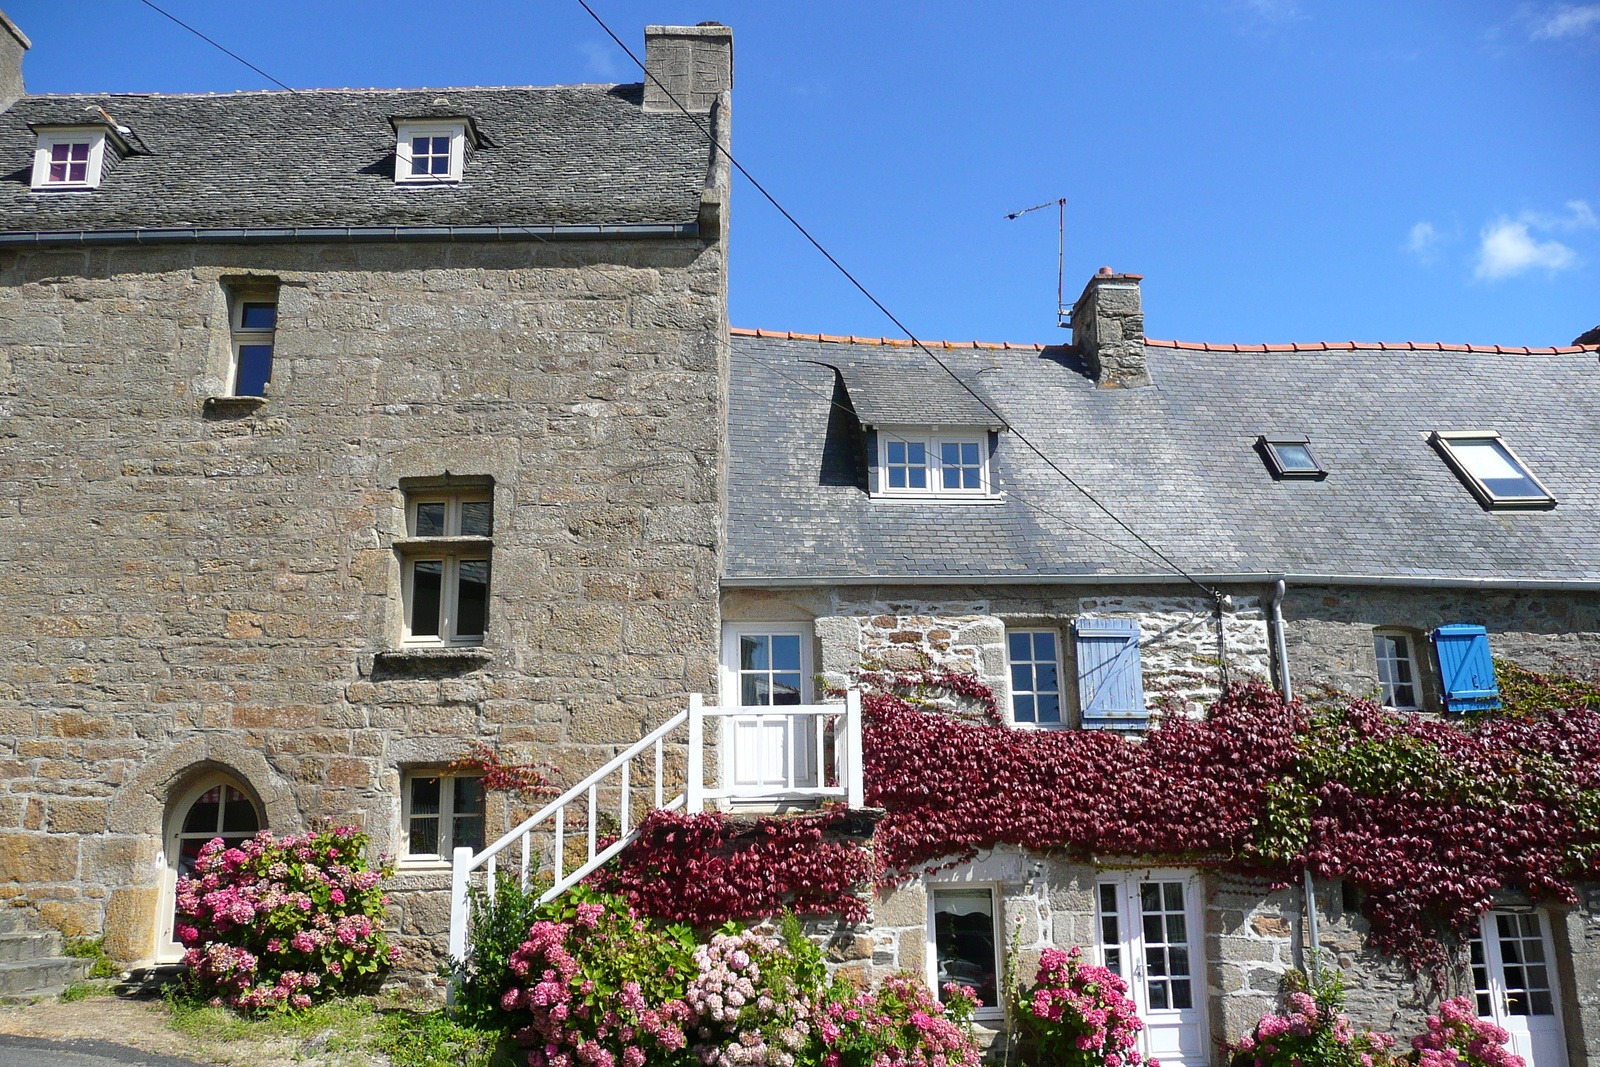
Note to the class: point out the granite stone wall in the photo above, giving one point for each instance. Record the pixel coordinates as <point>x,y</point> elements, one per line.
<point>196,588</point>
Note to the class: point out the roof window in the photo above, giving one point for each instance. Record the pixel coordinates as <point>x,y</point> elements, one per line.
<point>1491,470</point>
<point>932,461</point>
<point>1289,457</point>
<point>431,152</point>
<point>69,158</point>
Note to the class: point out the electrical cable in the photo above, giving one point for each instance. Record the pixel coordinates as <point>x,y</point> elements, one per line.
<point>1172,564</point>
<point>214,44</point>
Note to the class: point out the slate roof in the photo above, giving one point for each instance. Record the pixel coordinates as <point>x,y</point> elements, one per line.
<point>577,154</point>
<point>881,396</point>
<point>1175,461</point>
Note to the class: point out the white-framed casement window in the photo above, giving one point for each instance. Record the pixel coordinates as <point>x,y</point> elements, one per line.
<point>1150,933</point>
<point>442,812</point>
<point>430,153</point>
<point>69,158</point>
<point>445,566</point>
<point>964,942</point>
<point>253,324</point>
<point>1397,670</point>
<point>768,665</point>
<point>1494,473</point>
<point>1516,985</point>
<point>1034,660</point>
<point>925,461</point>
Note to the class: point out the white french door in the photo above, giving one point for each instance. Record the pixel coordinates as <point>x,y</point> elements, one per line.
<point>767,665</point>
<point>1150,934</point>
<point>1513,975</point>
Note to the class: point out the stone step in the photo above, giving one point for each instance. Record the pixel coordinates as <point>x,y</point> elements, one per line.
<point>11,921</point>
<point>35,978</point>
<point>16,948</point>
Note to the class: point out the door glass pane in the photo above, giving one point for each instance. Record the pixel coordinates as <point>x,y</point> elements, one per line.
<point>1523,968</point>
<point>472,598</point>
<point>205,814</point>
<point>786,689</point>
<point>1110,928</point>
<point>786,652</point>
<point>753,653</point>
<point>238,814</point>
<point>755,690</point>
<point>1480,978</point>
<point>427,584</point>
<point>963,927</point>
<point>1166,945</point>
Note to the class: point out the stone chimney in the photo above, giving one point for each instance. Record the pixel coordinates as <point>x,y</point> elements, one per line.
<point>692,63</point>
<point>1588,337</point>
<point>1108,328</point>
<point>13,42</point>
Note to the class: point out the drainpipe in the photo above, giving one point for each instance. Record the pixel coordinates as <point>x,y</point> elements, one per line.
<point>1287,689</point>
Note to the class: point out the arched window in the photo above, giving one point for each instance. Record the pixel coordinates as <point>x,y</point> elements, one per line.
<point>215,806</point>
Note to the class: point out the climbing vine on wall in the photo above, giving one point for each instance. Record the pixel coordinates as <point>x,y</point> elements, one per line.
<point>1429,819</point>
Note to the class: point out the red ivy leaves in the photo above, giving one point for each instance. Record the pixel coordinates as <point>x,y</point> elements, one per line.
<point>524,779</point>
<point>1459,812</point>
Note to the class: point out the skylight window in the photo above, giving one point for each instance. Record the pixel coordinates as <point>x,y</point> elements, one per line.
<point>1289,457</point>
<point>1491,470</point>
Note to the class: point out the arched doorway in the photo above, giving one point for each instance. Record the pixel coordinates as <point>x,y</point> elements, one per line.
<point>214,806</point>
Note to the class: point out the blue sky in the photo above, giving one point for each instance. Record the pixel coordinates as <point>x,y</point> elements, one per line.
<point>1279,170</point>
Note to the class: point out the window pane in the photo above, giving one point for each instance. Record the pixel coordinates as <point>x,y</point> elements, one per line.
<point>786,652</point>
<point>963,929</point>
<point>1049,706</point>
<point>918,477</point>
<point>472,597</point>
<point>59,153</point>
<point>897,453</point>
<point>204,815</point>
<point>424,835</point>
<point>477,518</point>
<point>753,653</point>
<point>897,477</point>
<point>1295,457</point>
<point>441,164</point>
<point>916,454</point>
<point>429,520</point>
<point>441,146</point>
<point>1022,708</point>
<point>238,814</point>
<point>419,146</point>
<point>952,477</point>
<point>258,317</point>
<point>425,796</point>
<point>467,825</point>
<point>754,691</point>
<point>786,689</point>
<point>255,370</point>
<point>1045,677</point>
<point>80,152</point>
<point>1491,464</point>
<point>1020,646</point>
<point>427,582</point>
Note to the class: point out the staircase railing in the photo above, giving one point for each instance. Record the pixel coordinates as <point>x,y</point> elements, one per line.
<point>769,754</point>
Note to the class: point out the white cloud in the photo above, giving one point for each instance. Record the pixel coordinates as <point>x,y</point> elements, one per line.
<point>1564,20</point>
<point>1422,240</point>
<point>1508,249</point>
<point>602,60</point>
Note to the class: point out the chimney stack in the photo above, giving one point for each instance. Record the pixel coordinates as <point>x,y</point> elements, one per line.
<point>13,42</point>
<point>1108,328</point>
<point>692,63</point>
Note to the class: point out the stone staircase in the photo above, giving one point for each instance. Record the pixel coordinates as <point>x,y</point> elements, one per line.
<point>31,963</point>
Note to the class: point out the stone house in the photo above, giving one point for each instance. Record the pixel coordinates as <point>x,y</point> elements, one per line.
<point>340,429</point>
<point>1383,519</point>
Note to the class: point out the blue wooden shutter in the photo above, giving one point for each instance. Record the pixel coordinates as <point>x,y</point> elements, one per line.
<point>1466,668</point>
<point>1110,687</point>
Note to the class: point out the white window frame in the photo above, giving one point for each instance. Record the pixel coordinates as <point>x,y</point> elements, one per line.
<point>49,138</point>
<point>446,817</point>
<point>1445,442</point>
<point>988,1013</point>
<point>1411,661</point>
<point>932,438</point>
<point>238,298</point>
<point>732,632</point>
<point>451,550</point>
<point>1131,944</point>
<point>1061,693</point>
<point>456,131</point>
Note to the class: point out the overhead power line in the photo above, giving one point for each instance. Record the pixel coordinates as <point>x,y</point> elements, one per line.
<point>853,280</point>
<point>214,44</point>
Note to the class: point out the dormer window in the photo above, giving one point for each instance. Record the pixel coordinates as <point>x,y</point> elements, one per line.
<point>69,158</point>
<point>431,153</point>
<point>932,461</point>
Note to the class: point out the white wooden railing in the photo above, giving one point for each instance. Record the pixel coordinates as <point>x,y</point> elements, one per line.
<point>770,754</point>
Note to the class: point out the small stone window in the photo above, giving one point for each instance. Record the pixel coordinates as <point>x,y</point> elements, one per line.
<point>430,153</point>
<point>443,812</point>
<point>69,158</point>
<point>253,325</point>
<point>964,942</point>
<point>445,559</point>
<point>1397,670</point>
<point>1035,663</point>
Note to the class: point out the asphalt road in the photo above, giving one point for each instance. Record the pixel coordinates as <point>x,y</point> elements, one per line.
<point>37,1052</point>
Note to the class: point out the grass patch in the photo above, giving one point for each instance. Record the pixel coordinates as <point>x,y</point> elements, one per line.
<point>81,991</point>
<point>409,1038</point>
<point>93,948</point>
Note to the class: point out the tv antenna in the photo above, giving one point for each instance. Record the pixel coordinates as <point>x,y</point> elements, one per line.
<point>1063,312</point>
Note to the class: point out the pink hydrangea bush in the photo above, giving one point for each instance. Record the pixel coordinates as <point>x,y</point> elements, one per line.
<point>899,1025</point>
<point>278,923</point>
<point>1076,1014</point>
<point>594,985</point>
<point>1456,1037</point>
<point>753,1000</point>
<point>1314,1032</point>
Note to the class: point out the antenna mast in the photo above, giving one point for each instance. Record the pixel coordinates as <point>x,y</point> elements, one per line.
<point>1063,312</point>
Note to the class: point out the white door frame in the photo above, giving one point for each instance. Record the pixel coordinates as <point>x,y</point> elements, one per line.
<point>1133,963</point>
<point>166,948</point>
<point>1553,1039</point>
<point>790,731</point>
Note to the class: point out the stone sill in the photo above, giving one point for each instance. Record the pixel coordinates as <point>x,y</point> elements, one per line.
<point>442,544</point>
<point>233,405</point>
<point>435,655</point>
